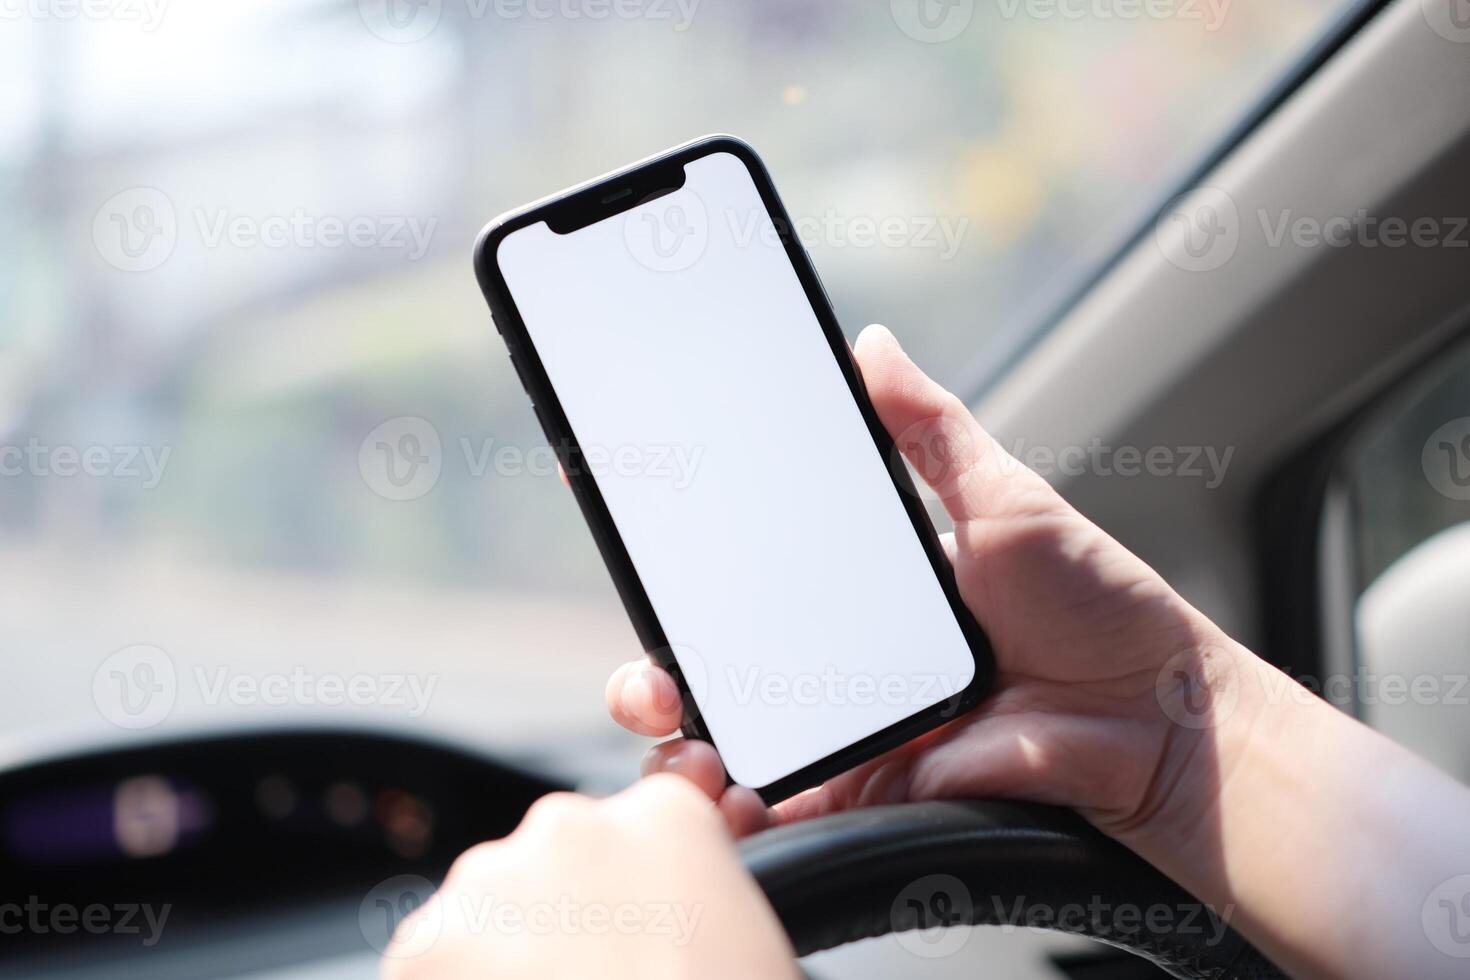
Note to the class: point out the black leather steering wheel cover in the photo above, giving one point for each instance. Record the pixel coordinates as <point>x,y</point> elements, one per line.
<point>838,879</point>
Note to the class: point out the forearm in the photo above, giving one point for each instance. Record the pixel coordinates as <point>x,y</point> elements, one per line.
<point>1321,840</point>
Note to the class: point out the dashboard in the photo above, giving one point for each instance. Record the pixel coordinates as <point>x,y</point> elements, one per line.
<point>280,854</point>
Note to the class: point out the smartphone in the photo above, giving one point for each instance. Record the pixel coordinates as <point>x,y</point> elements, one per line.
<point>767,542</point>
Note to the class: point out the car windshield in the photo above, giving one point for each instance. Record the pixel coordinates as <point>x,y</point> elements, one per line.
<point>264,457</point>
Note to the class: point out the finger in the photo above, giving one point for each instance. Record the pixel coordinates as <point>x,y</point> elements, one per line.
<point>882,781</point>
<point>1035,756</point>
<point>643,698</point>
<point>973,475</point>
<point>694,760</point>
<point>886,779</point>
<point>744,811</point>
<point>1030,756</point>
<point>561,474</point>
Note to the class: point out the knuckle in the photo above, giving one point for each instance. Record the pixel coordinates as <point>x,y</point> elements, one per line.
<point>470,864</point>
<point>555,810</point>
<point>668,794</point>
<point>954,409</point>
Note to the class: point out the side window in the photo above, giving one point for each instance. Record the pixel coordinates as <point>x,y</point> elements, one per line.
<point>1405,495</point>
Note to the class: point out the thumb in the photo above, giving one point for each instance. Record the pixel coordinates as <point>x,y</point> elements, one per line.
<point>973,475</point>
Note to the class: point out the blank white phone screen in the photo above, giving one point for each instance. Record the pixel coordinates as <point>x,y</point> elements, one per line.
<point>759,514</point>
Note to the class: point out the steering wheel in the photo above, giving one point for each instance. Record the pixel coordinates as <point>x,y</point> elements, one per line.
<point>870,872</point>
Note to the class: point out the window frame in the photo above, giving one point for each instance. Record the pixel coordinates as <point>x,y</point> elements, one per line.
<point>1304,522</point>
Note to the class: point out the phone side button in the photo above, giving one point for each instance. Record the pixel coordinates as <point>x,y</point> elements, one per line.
<point>521,375</point>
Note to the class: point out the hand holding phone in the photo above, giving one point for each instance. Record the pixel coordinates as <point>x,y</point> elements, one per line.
<point>667,310</point>
<point>1087,709</point>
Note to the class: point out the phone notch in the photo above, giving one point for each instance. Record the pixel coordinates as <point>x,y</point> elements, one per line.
<point>613,196</point>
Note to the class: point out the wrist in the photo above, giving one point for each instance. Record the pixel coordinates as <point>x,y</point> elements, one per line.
<point>1261,796</point>
<point>1211,702</point>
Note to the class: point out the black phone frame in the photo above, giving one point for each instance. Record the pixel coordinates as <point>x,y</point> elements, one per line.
<point>606,197</point>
